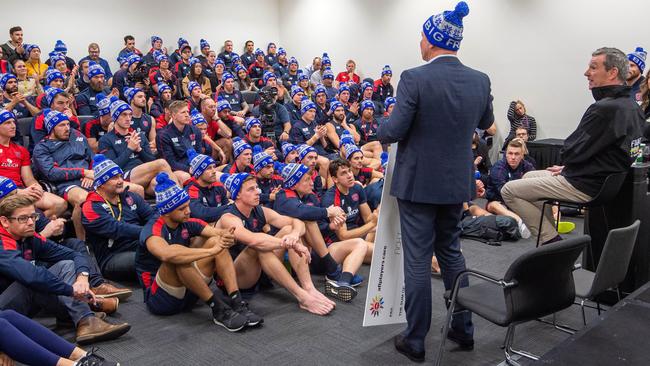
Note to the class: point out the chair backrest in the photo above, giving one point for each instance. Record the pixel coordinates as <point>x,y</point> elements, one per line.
<point>615,258</point>
<point>544,278</point>
<point>249,97</point>
<point>23,125</point>
<point>610,189</point>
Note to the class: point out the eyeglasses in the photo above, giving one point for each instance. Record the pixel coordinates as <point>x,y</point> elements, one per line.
<point>25,218</point>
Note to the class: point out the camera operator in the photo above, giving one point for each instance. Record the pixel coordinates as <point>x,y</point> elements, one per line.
<point>273,115</point>
<point>136,75</point>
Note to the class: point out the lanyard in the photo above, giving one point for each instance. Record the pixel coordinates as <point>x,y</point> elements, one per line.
<point>110,207</point>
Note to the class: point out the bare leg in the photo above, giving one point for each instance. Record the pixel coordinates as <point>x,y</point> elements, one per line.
<point>145,174</point>
<point>136,188</point>
<point>182,176</point>
<point>498,209</point>
<point>371,162</point>
<point>314,238</point>
<point>323,167</point>
<point>226,145</point>
<point>51,205</point>
<point>370,246</point>
<point>372,150</point>
<point>76,196</point>
<point>350,253</point>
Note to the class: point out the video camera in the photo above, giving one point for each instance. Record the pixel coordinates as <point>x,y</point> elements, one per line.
<point>268,96</point>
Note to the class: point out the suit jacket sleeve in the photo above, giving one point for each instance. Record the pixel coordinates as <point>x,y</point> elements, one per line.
<point>399,123</point>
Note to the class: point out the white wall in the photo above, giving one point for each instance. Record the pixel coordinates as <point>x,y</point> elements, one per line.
<point>535,50</point>
<point>79,23</point>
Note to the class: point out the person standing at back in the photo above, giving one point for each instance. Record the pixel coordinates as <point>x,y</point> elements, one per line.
<point>439,104</point>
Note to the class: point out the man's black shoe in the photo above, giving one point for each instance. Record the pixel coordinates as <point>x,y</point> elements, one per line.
<point>464,344</point>
<point>241,306</point>
<point>402,347</point>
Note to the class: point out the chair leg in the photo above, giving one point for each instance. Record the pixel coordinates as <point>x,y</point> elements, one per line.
<point>598,307</point>
<point>618,293</point>
<point>539,228</point>
<point>582,307</point>
<point>557,222</point>
<point>445,329</point>
<point>510,336</point>
<point>560,327</point>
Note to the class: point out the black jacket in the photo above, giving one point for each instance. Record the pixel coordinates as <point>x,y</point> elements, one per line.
<point>601,144</point>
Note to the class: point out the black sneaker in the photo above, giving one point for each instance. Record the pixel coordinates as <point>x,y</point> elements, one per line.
<point>241,306</point>
<point>340,291</point>
<point>93,359</point>
<point>229,319</point>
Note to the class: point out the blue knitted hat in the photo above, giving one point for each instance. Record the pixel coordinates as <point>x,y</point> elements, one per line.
<point>56,57</point>
<point>193,61</point>
<point>446,30</point>
<point>334,105</point>
<point>281,51</point>
<point>292,173</point>
<point>233,183</point>
<point>104,169</point>
<point>198,163</point>
<point>320,88</point>
<point>60,47</point>
<point>30,47</point>
<point>250,122</point>
<point>50,93</point>
<point>162,87</point>
<point>267,76</point>
<point>6,115</point>
<point>386,70</point>
<point>51,75</point>
<point>259,52</point>
<point>169,196</point>
<point>350,149</point>
<point>6,186</point>
<point>197,117</point>
<point>222,104</point>
<point>103,104</point>
<point>260,158</point>
<point>182,42</point>
<point>306,105</point>
<point>161,57</point>
<point>366,104</point>
<point>117,107</point>
<point>154,39</point>
<point>344,88</point>
<point>193,85</point>
<point>293,60</point>
<point>53,118</point>
<point>133,59</point>
<point>95,69</point>
<point>219,61</point>
<point>389,101</point>
<point>226,76</point>
<point>325,60</point>
<point>203,43</point>
<point>129,93</point>
<point>239,146</point>
<point>295,89</point>
<point>4,79</point>
<point>346,139</point>
<point>328,74</point>
<point>638,57</point>
<point>303,150</point>
<point>239,68</point>
<point>287,148</point>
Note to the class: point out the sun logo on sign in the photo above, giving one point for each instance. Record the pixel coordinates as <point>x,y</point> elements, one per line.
<point>376,305</point>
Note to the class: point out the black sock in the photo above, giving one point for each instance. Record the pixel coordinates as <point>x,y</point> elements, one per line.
<point>235,295</point>
<point>212,302</point>
<point>330,264</point>
<point>346,277</point>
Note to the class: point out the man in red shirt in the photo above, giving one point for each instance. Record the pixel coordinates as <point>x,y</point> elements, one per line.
<point>348,76</point>
<point>15,164</point>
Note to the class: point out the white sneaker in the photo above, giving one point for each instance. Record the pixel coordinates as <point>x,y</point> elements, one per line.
<point>523,230</point>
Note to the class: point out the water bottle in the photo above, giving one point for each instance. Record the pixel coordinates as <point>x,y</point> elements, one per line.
<point>477,175</point>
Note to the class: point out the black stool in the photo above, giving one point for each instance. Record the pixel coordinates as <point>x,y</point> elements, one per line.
<point>608,191</point>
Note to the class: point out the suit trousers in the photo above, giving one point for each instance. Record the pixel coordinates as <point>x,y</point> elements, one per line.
<point>428,228</point>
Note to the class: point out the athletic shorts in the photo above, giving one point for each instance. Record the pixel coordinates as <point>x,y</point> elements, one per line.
<point>159,302</point>
<point>317,265</point>
<point>63,189</point>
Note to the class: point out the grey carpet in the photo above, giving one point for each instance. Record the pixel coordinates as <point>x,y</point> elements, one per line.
<point>290,336</point>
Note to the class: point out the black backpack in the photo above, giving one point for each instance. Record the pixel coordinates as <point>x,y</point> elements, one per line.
<point>490,229</point>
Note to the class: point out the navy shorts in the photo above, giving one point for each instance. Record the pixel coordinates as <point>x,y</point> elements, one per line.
<point>159,302</point>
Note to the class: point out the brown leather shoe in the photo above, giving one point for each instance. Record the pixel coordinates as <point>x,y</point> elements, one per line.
<point>68,323</point>
<point>106,290</point>
<point>92,329</point>
<point>108,306</point>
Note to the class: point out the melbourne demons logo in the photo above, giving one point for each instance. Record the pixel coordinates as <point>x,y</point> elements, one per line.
<point>355,197</point>
<point>185,234</point>
<point>129,200</point>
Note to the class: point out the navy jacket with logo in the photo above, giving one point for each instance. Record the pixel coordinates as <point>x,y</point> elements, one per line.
<point>63,162</point>
<point>207,203</point>
<point>114,146</point>
<point>173,144</point>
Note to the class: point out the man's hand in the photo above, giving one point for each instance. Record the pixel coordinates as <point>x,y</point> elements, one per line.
<point>226,238</point>
<point>86,182</point>
<point>354,108</point>
<point>478,160</point>
<point>321,131</point>
<point>240,121</point>
<point>290,240</point>
<point>134,142</point>
<point>89,173</point>
<point>334,211</point>
<point>81,290</point>
<point>31,192</point>
<point>271,152</point>
<point>54,228</point>
<point>480,189</point>
<point>74,71</point>
<point>274,192</point>
<point>302,252</point>
<point>5,360</point>
<point>336,222</point>
<point>114,92</point>
<point>284,136</point>
<point>240,114</point>
<point>555,169</point>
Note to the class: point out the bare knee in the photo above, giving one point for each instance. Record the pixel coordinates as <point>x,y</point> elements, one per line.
<point>161,165</point>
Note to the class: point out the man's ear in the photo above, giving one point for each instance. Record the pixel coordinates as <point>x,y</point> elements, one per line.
<point>4,221</point>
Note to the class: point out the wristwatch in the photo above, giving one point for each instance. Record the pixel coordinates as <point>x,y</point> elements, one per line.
<point>84,274</point>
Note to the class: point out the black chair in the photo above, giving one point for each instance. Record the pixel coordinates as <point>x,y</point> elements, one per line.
<point>608,191</point>
<point>612,267</point>
<point>537,284</point>
<point>23,126</point>
<point>83,120</point>
<point>249,97</point>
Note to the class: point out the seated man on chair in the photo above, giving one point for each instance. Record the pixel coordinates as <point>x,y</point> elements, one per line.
<point>510,168</point>
<point>178,256</point>
<point>599,147</point>
<point>257,251</point>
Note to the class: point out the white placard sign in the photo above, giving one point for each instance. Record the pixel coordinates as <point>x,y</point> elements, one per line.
<point>385,297</point>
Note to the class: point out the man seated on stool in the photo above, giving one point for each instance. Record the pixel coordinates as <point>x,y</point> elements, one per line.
<point>599,147</point>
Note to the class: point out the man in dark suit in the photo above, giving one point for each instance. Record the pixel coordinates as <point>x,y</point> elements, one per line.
<point>439,105</point>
